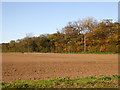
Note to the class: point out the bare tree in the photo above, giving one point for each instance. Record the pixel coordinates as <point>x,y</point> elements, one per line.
<point>28,35</point>
<point>87,25</point>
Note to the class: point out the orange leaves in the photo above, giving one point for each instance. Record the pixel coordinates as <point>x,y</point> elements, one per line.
<point>99,37</point>
<point>78,43</point>
<point>56,44</point>
<point>89,48</point>
<point>79,49</point>
<point>116,37</point>
<point>102,48</point>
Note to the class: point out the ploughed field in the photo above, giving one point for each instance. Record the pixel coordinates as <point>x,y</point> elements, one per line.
<point>41,66</point>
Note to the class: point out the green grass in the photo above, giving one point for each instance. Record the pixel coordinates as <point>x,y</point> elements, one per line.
<point>69,52</point>
<point>88,82</point>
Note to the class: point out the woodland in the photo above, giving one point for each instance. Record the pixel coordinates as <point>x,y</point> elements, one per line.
<point>86,35</point>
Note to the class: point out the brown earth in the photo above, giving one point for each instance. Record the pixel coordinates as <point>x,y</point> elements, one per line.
<point>33,66</point>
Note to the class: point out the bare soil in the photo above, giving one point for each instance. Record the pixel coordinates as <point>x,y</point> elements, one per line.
<point>40,66</point>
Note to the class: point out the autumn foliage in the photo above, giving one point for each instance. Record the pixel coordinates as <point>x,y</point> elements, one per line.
<point>99,37</point>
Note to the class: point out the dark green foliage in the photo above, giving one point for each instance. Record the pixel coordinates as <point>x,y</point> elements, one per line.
<point>106,78</point>
<point>116,76</point>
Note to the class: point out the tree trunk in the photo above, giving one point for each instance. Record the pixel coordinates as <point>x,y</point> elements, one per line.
<point>84,44</point>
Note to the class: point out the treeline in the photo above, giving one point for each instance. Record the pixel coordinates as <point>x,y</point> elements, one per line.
<point>86,35</point>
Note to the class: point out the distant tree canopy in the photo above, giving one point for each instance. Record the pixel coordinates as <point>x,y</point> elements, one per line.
<point>99,37</point>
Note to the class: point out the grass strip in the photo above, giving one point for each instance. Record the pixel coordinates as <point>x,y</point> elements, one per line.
<point>88,82</point>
